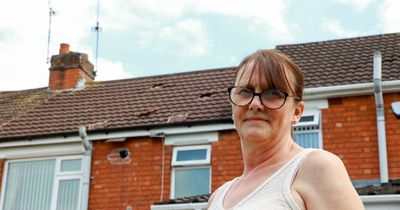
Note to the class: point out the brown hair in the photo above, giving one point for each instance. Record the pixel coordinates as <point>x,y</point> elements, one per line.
<point>271,67</point>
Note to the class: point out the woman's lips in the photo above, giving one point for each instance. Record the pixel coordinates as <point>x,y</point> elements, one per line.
<point>256,119</point>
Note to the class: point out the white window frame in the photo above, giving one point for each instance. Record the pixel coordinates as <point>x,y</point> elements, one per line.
<point>317,122</point>
<point>307,113</point>
<point>191,162</point>
<point>194,164</point>
<point>58,176</point>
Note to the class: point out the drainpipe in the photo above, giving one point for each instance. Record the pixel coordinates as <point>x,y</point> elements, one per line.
<point>87,158</point>
<point>380,117</point>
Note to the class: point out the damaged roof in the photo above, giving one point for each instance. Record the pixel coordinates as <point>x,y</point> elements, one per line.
<point>183,98</point>
<point>191,97</point>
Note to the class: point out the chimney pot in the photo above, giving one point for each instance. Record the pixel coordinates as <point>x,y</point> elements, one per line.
<point>64,48</point>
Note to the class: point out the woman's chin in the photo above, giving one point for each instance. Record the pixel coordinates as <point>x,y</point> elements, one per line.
<point>256,134</point>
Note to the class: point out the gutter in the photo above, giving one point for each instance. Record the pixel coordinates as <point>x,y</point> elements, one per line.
<point>380,118</point>
<point>121,134</point>
<point>349,90</point>
<point>371,199</point>
<point>184,206</point>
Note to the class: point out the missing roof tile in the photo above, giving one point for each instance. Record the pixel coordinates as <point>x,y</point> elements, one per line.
<point>207,95</point>
<point>98,125</point>
<point>147,112</point>
<point>177,118</point>
<point>157,86</point>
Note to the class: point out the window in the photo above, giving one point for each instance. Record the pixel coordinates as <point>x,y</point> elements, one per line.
<point>191,172</point>
<point>43,184</point>
<point>308,130</point>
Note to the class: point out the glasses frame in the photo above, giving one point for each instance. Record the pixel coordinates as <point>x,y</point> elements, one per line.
<point>259,95</point>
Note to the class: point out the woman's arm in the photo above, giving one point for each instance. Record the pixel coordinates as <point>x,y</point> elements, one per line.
<point>323,183</point>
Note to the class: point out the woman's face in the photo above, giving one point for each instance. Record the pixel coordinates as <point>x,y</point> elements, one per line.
<point>255,122</point>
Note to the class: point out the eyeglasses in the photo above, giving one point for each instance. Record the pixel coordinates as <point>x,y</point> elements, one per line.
<point>270,98</point>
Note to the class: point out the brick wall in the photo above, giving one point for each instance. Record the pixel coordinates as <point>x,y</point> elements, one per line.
<point>226,160</point>
<point>349,131</point>
<point>134,182</point>
<point>392,136</point>
<point>66,79</point>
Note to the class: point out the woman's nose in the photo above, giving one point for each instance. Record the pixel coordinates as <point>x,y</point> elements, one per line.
<point>256,104</point>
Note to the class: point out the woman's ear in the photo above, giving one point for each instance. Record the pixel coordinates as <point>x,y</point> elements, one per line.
<point>298,111</point>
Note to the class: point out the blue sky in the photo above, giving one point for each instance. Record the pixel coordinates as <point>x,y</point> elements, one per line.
<point>152,37</point>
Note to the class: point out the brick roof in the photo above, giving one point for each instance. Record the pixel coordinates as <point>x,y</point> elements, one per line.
<point>346,61</point>
<point>191,97</point>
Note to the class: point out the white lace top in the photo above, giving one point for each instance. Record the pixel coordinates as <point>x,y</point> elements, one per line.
<point>274,193</point>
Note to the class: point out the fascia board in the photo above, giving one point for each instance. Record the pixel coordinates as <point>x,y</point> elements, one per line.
<point>380,198</point>
<point>180,206</point>
<point>120,134</point>
<point>349,90</point>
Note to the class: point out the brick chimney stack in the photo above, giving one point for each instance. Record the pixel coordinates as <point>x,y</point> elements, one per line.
<point>70,70</point>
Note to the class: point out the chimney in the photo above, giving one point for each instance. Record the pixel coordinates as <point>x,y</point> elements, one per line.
<point>70,70</point>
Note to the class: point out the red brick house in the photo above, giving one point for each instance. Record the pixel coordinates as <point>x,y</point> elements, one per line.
<point>128,144</point>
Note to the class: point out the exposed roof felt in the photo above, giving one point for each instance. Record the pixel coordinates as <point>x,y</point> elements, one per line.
<point>191,97</point>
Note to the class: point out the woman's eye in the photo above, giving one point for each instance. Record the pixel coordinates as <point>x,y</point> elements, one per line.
<point>273,94</point>
<point>244,92</point>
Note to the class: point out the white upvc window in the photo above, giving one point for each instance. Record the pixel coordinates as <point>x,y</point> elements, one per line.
<point>191,171</point>
<point>308,133</point>
<point>43,183</point>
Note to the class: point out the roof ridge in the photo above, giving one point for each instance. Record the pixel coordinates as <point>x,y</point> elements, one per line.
<point>23,90</point>
<point>167,74</point>
<point>339,39</point>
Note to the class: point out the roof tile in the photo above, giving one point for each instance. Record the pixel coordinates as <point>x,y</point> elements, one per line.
<point>191,97</point>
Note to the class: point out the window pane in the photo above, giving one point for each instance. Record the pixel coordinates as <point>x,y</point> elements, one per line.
<point>29,185</point>
<point>192,181</point>
<point>68,194</point>
<point>307,118</point>
<point>71,165</point>
<point>308,140</point>
<point>195,154</point>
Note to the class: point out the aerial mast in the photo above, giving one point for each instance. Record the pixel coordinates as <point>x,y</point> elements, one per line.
<point>51,14</point>
<point>97,29</point>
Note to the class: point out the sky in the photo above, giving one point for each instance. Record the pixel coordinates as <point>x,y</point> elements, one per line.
<point>153,37</point>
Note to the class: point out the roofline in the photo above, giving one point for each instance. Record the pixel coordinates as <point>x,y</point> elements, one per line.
<point>337,39</point>
<point>169,74</point>
<point>115,129</point>
<point>380,198</point>
<point>202,205</point>
<point>349,90</point>
<point>121,134</point>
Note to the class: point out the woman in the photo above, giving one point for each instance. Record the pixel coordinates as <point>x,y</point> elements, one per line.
<point>278,173</point>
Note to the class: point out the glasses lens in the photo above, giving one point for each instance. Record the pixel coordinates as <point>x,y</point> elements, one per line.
<point>273,98</point>
<point>240,96</point>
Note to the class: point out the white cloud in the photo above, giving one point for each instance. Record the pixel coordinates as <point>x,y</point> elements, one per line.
<point>23,39</point>
<point>359,4</point>
<point>169,19</point>
<point>265,16</point>
<point>190,35</point>
<point>108,70</point>
<point>390,16</point>
<point>335,27</point>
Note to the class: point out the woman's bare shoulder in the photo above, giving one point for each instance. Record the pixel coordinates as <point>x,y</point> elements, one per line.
<point>322,161</point>
<point>322,180</point>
